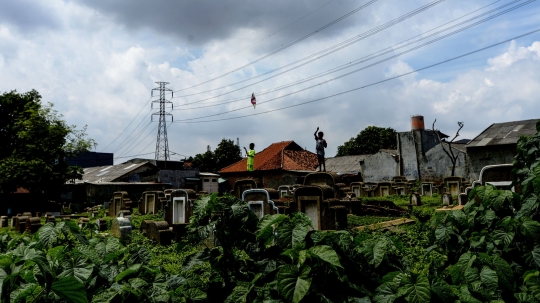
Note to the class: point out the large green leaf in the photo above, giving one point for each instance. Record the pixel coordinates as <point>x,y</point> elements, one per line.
<point>132,270</point>
<point>70,289</point>
<point>504,272</point>
<point>416,289</point>
<point>266,226</point>
<point>78,268</point>
<point>442,290</point>
<point>326,253</point>
<point>379,251</point>
<point>458,270</point>
<point>465,295</point>
<point>471,274</point>
<point>292,283</point>
<point>489,278</point>
<point>26,292</point>
<point>240,293</point>
<point>48,234</point>
<point>530,229</point>
<point>299,235</point>
<point>386,293</point>
<point>443,232</point>
<point>195,295</point>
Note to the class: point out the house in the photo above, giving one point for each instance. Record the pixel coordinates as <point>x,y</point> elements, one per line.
<point>497,144</point>
<point>281,163</point>
<point>348,167</point>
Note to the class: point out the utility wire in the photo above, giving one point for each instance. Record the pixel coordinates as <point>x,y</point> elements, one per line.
<point>371,84</point>
<point>126,148</point>
<point>127,125</point>
<point>133,156</point>
<point>379,53</point>
<point>259,41</point>
<point>331,49</point>
<point>121,145</point>
<point>281,48</point>
<point>139,141</point>
<point>356,70</point>
<point>292,63</point>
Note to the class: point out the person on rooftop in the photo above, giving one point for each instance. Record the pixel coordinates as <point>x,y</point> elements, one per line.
<point>250,156</point>
<point>320,146</point>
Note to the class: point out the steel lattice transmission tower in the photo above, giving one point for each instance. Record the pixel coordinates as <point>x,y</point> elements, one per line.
<point>162,144</point>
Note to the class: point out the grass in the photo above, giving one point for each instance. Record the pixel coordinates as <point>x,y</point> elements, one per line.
<point>354,221</point>
<point>403,200</point>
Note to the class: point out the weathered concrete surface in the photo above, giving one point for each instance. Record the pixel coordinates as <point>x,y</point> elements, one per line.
<point>478,157</point>
<point>381,166</point>
<point>436,164</point>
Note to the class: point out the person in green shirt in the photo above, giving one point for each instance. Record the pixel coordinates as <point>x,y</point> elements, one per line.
<point>250,157</point>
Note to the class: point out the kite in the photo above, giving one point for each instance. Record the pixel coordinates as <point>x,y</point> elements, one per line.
<point>253,100</point>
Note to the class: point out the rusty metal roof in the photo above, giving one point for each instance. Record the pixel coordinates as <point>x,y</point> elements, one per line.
<point>504,133</point>
<point>286,155</point>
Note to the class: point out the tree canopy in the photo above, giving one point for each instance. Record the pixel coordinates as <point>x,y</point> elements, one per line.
<point>225,154</point>
<point>35,141</point>
<point>369,141</point>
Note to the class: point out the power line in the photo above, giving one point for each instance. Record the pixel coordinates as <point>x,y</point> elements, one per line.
<point>133,156</point>
<point>324,52</point>
<point>371,84</point>
<point>121,145</point>
<point>259,41</point>
<point>356,70</point>
<point>126,148</point>
<point>380,52</point>
<point>126,126</point>
<point>281,48</point>
<point>141,140</point>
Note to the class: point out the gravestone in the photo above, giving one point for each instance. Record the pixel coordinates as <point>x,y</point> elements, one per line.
<point>415,199</point>
<point>259,201</point>
<point>144,226</point>
<point>20,223</point>
<point>427,189</point>
<point>33,224</point>
<point>452,185</point>
<point>446,199</point>
<point>357,189</point>
<point>159,232</point>
<point>151,202</point>
<point>324,214</point>
<point>284,190</point>
<point>179,210</point>
<point>125,213</point>
<point>50,219</point>
<point>120,201</point>
<point>121,228</point>
<point>463,199</point>
<point>95,214</point>
<point>27,214</point>
<point>101,224</point>
<point>242,185</point>
<point>4,222</point>
<point>82,222</point>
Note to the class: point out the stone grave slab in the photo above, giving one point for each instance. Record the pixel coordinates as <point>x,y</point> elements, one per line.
<point>121,228</point>
<point>259,201</point>
<point>159,232</point>
<point>33,224</point>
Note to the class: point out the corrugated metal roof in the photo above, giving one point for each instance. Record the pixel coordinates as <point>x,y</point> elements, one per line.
<point>345,164</point>
<point>504,133</point>
<point>109,173</point>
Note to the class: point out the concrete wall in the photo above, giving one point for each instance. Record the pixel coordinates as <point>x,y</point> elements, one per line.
<point>407,148</point>
<point>177,178</point>
<point>436,165</point>
<point>380,167</point>
<point>478,157</point>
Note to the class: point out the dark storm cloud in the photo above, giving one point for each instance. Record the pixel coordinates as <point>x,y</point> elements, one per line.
<point>198,22</point>
<point>27,15</point>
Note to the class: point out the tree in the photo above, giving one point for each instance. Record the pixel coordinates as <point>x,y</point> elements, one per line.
<point>450,152</point>
<point>35,142</point>
<point>204,162</point>
<point>225,154</point>
<point>369,141</point>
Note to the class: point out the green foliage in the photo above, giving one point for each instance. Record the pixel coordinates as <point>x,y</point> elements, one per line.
<point>354,221</point>
<point>35,143</point>
<point>225,154</point>
<point>369,141</point>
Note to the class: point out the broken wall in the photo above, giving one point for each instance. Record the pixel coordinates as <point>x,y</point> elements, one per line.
<point>381,166</point>
<point>478,157</point>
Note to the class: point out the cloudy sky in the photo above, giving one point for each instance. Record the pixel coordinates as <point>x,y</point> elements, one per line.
<point>98,61</point>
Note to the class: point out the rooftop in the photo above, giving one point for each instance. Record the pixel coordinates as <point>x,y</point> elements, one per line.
<point>345,164</point>
<point>504,133</point>
<point>110,173</point>
<point>286,155</point>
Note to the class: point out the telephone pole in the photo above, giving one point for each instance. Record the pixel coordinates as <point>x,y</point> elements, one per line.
<point>162,144</point>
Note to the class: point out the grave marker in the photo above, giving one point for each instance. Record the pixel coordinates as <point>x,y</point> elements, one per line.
<point>159,232</point>
<point>121,228</point>
<point>33,224</point>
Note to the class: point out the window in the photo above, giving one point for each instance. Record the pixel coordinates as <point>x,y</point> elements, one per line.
<point>214,180</point>
<point>206,180</point>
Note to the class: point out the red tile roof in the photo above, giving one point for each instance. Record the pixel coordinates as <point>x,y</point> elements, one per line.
<point>285,155</point>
